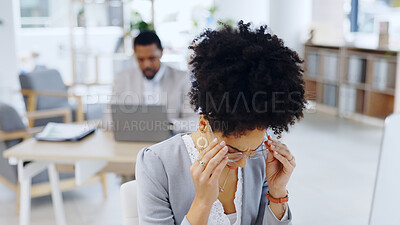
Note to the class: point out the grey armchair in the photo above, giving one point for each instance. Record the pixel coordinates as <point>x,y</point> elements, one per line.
<point>12,132</point>
<point>45,89</point>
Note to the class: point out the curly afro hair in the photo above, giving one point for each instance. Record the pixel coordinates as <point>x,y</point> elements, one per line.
<point>245,79</point>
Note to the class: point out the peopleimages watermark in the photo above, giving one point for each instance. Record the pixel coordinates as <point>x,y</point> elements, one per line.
<point>183,118</point>
<point>258,102</point>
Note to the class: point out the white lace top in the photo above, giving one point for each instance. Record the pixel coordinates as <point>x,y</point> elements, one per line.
<point>217,215</point>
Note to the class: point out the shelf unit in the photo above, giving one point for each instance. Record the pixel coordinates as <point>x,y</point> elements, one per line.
<point>352,82</point>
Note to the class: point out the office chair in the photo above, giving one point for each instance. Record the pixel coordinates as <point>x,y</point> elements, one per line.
<point>386,197</point>
<point>45,89</point>
<point>129,203</point>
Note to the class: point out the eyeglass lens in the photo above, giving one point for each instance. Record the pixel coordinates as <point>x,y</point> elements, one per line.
<point>261,151</point>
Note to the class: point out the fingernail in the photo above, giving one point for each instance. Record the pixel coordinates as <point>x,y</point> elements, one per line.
<point>215,140</point>
<point>273,146</point>
<point>276,153</point>
<point>222,143</point>
<point>225,149</point>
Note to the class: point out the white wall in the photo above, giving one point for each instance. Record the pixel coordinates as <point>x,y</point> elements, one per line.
<point>256,11</point>
<point>59,13</point>
<point>290,20</point>
<point>328,17</point>
<point>9,14</point>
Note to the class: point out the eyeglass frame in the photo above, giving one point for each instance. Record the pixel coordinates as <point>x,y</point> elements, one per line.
<point>242,153</point>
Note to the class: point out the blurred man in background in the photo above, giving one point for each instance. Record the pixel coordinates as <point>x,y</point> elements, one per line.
<point>154,83</point>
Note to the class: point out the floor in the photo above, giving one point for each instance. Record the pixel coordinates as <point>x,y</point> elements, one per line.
<point>83,206</point>
<point>335,174</point>
<point>332,184</point>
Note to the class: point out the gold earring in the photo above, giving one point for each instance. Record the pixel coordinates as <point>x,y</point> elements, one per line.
<point>201,146</point>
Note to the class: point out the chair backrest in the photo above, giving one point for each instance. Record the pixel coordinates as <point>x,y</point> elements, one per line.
<point>129,203</point>
<point>384,209</point>
<point>9,121</point>
<point>45,80</point>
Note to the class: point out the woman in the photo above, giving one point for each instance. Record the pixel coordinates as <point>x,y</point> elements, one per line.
<point>229,171</point>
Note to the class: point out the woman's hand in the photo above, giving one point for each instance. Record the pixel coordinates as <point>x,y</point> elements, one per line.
<point>206,176</point>
<point>206,172</point>
<point>280,165</point>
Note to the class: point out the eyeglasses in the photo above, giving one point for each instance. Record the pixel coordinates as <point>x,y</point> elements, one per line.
<point>260,152</point>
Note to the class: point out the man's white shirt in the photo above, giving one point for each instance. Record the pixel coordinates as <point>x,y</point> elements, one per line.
<point>152,89</point>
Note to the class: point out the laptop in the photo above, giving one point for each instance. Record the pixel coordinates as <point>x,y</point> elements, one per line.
<point>141,123</point>
<point>386,198</point>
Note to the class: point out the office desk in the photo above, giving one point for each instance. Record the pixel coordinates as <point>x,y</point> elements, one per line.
<point>88,156</point>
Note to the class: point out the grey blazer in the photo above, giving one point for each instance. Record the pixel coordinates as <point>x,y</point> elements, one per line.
<point>166,189</point>
<point>127,89</point>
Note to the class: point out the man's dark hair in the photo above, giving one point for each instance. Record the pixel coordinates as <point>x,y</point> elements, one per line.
<point>147,38</point>
<point>245,79</point>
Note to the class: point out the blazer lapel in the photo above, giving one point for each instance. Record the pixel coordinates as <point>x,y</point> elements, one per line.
<point>246,187</point>
<point>252,191</point>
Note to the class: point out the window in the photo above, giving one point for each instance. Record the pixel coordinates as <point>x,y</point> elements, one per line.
<point>34,13</point>
<point>365,14</point>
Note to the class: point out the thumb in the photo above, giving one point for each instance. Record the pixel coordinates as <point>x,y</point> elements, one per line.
<point>270,154</point>
<point>270,157</point>
<point>268,161</point>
